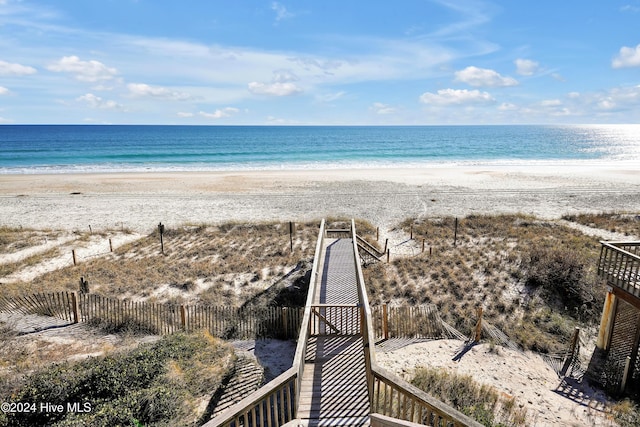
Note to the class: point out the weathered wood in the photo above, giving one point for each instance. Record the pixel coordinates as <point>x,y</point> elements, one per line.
<point>478,331</point>
<point>572,350</point>
<point>74,305</point>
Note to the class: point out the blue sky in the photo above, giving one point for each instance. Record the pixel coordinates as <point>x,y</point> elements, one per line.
<point>319,62</point>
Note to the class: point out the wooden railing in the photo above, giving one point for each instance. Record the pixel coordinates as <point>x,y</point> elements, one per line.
<point>369,251</point>
<point>396,398</point>
<point>276,403</point>
<point>619,263</point>
<point>401,394</point>
<point>340,319</point>
<point>271,405</point>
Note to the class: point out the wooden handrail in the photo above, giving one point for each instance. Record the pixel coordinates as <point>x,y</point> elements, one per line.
<point>368,247</point>
<point>272,404</point>
<point>435,410</point>
<point>620,267</point>
<point>266,406</point>
<point>396,398</point>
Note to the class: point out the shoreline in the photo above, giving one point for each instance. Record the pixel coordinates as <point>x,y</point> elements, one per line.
<point>139,200</point>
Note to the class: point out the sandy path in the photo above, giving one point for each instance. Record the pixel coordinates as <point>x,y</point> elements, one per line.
<point>527,377</point>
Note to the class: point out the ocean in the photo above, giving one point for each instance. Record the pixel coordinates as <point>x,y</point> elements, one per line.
<point>131,148</point>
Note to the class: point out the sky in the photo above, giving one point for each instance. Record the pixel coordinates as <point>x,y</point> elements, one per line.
<point>329,62</point>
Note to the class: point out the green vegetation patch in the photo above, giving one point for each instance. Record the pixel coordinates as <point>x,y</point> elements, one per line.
<point>156,384</point>
<point>479,401</point>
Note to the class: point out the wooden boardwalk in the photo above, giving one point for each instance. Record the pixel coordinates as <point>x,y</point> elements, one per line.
<point>334,388</point>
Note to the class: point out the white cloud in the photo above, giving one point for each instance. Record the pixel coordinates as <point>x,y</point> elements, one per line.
<point>446,97</point>
<point>220,113</point>
<point>551,103</point>
<point>526,67</point>
<point>86,71</point>
<point>281,11</point>
<point>284,76</point>
<point>507,106</point>
<point>627,57</point>
<point>3,90</point>
<point>606,104</point>
<point>573,95</point>
<point>143,90</point>
<point>382,109</point>
<point>630,8</point>
<point>330,97</point>
<point>185,115</point>
<point>274,89</point>
<point>621,98</point>
<point>95,101</point>
<point>475,76</point>
<point>9,69</point>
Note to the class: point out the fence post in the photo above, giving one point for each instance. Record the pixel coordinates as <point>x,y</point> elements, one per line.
<point>285,323</point>
<point>110,246</point>
<point>292,229</point>
<point>161,231</point>
<point>84,286</point>
<point>388,255</point>
<point>411,232</point>
<point>479,325</point>
<point>183,318</point>
<point>73,254</point>
<point>455,233</point>
<point>74,303</point>
<point>422,246</point>
<point>569,356</point>
<point>385,321</point>
<point>377,233</point>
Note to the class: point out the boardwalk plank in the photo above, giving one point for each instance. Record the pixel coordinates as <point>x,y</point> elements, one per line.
<point>334,389</point>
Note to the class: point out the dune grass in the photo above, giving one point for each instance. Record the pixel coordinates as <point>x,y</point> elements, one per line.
<point>224,265</point>
<point>479,401</point>
<point>617,222</point>
<point>534,279</point>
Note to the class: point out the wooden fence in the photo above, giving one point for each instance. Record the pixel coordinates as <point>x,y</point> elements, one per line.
<point>57,304</point>
<point>162,319</point>
<point>421,321</point>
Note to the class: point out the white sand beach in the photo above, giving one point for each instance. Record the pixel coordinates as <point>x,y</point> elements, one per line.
<point>138,201</point>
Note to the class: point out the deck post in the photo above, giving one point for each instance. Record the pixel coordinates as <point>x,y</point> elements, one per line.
<point>607,320</point>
